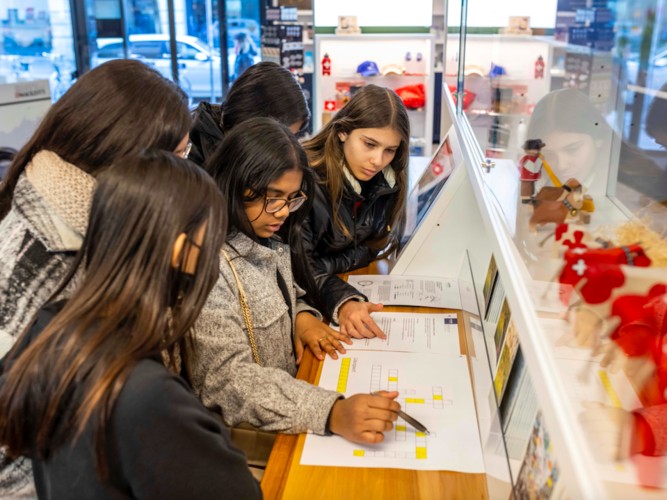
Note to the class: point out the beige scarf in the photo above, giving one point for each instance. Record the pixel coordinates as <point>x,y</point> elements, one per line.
<point>67,189</point>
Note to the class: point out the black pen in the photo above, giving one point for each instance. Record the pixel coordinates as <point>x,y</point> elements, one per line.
<point>420,427</point>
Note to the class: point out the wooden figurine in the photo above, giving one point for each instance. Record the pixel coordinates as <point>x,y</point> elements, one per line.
<point>557,204</point>
<point>530,167</point>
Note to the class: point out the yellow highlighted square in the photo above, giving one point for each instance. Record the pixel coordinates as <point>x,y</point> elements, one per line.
<point>437,398</point>
<point>342,377</point>
<point>421,453</point>
<point>606,383</point>
<point>358,453</point>
<point>393,379</point>
<point>420,434</point>
<point>410,400</point>
<point>400,428</point>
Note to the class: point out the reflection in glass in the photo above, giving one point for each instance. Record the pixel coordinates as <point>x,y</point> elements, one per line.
<point>573,110</point>
<point>36,43</point>
<point>243,36</point>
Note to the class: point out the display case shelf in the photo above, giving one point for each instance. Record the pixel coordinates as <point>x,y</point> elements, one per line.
<point>348,52</point>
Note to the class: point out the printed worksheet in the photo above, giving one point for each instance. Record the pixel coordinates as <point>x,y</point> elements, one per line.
<point>435,390</point>
<point>557,329</point>
<point>586,381</point>
<point>416,291</point>
<point>551,297</point>
<point>406,332</point>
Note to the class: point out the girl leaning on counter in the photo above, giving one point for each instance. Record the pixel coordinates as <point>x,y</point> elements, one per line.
<point>361,158</point>
<point>85,392</point>
<point>253,329</point>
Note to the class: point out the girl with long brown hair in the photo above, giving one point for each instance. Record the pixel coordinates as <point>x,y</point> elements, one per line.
<point>113,110</point>
<point>85,392</point>
<point>361,157</point>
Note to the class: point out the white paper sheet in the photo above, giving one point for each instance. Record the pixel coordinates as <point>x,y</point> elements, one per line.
<point>406,332</point>
<point>433,389</point>
<point>555,330</point>
<point>547,296</point>
<point>409,290</point>
<point>586,381</point>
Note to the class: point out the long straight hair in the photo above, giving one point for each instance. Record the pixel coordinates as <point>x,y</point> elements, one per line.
<point>371,107</point>
<point>252,156</point>
<point>118,108</point>
<point>73,372</point>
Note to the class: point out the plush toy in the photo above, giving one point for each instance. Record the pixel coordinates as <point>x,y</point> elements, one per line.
<point>557,204</point>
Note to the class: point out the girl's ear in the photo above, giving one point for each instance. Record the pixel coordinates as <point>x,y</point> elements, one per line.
<point>342,136</point>
<point>178,248</point>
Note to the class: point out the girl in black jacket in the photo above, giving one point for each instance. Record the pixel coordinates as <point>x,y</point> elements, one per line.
<point>85,392</point>
<point>265,90</point>
<point>358,215</point>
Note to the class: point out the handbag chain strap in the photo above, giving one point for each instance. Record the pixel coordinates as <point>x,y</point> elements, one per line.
<point>246,311</point>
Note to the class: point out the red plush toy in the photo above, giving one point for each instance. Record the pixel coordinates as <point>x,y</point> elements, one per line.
<point>413,96</point>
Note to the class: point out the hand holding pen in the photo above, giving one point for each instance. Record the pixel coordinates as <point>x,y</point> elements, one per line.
<point>363,418</point>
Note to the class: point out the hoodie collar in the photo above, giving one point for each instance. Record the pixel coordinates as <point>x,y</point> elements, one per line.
<point>387,172</point>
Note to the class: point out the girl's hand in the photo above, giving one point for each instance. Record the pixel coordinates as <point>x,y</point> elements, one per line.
<point>310,331</point>
<point>355,320</point>
<point>363,418</point>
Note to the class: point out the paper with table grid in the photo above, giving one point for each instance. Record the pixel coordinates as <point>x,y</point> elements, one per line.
<point>413,332</point>
<point>434,389</point>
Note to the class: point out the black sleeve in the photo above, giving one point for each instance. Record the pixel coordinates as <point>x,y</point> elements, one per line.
<point>44,317</point>
<point>171,447</point>
<point>333,290</point>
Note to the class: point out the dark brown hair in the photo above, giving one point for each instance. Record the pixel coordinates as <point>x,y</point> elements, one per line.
<point>123,310</point>
<point>371,107</point>
<point>252,156</point>
<point>120,107</point>
<point>265,90</point>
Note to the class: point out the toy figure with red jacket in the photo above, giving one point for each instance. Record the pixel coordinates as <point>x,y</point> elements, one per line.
<point>530,167</point>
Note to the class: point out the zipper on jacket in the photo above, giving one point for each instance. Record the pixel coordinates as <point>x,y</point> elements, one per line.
<point>354,222</point>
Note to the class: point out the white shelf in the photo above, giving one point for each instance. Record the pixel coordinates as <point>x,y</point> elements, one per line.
<point>347,52</point>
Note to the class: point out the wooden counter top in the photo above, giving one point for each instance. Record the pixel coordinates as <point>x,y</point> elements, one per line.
<point>285,478</point>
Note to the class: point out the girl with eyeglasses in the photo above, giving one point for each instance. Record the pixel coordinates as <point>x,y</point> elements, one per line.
<point>253,330</point>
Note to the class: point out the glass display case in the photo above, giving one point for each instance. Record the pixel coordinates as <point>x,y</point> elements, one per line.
<point>562,123</point>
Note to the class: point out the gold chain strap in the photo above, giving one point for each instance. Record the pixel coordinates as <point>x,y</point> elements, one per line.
<point>246,311</point>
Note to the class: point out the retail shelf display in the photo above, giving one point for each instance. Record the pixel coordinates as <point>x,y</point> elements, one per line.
<point>411,54</point>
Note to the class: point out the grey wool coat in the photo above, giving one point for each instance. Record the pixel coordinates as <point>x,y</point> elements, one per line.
<point>224,374</point>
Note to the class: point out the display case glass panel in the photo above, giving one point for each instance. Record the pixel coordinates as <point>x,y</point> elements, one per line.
<point>564,122</point>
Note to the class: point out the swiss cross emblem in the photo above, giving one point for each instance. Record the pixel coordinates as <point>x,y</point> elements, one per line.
<point>580,267</point>
<point>329,105</point>
<point>327,65</point>
<point>437,169</point>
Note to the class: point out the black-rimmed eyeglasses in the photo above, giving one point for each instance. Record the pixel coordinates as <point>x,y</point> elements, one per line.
<point>275,205</point>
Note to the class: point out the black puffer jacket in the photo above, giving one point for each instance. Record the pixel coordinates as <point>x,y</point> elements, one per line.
<point>330,252</point>
<point>206,134</point>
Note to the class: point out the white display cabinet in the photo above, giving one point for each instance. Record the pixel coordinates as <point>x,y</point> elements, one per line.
<point>348,52</point>
<point>475,214</point>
